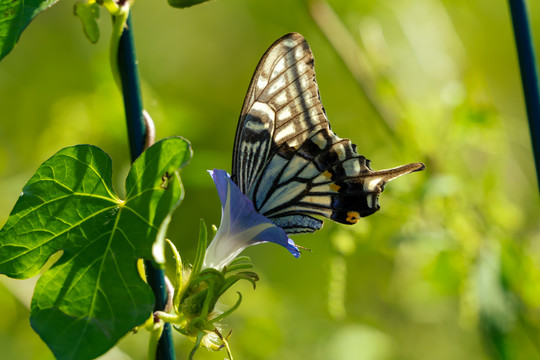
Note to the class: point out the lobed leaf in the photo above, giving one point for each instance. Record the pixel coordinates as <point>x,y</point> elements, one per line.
<point>93,295</point>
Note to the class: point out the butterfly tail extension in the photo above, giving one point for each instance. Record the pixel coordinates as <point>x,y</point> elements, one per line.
<point>359,196</point>
<point>390,174</point>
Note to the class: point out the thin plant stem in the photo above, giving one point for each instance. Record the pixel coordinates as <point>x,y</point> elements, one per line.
<point>135,118</point>
<point>529,74</point>
<point>355,62</point>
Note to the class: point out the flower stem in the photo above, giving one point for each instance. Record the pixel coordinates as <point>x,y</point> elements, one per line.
<point>129,78</point>
<point>529,75</point>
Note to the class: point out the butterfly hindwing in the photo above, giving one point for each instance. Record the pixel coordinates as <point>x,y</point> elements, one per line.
<point>286,158</point>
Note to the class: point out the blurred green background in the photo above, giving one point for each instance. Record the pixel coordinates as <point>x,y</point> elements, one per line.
<point>450,266</point>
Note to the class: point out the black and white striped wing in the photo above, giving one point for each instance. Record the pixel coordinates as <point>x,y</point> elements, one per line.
<point>286,158</point>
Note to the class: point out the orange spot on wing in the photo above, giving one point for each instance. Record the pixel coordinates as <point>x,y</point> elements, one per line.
<point>352,217</point>
<point>335,187</point>
<point>327,174</point>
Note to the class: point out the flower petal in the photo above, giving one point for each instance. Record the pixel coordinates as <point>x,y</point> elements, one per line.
<point>241,225</point>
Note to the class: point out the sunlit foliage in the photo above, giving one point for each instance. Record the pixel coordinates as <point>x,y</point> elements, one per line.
<point>450,266</point>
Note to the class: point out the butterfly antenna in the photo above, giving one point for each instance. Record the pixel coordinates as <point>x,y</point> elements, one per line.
<point>303,248</point>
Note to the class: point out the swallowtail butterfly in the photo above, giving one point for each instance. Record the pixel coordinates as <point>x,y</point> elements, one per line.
<point>286,158</point>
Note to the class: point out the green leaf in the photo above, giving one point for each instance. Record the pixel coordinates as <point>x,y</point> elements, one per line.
<point>15,15</point>
<point>201,249</point>
<point>185,3</point>
<point>88,13</point>
<point>93,295</point>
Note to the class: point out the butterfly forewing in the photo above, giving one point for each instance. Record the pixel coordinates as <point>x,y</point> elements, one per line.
<point>286,158</point>
<point>281,106</point>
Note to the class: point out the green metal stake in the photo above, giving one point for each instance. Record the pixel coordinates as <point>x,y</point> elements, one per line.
<point>529,75</point>
<point>127,64</point>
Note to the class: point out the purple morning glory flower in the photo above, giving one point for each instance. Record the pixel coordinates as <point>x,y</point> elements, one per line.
<point>241,226</point>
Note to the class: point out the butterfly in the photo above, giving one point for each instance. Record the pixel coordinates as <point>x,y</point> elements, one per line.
<point>286,158</point>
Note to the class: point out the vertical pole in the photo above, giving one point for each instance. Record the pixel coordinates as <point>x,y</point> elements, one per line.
<point>129,76</point>
<point>529,75</point>
<point>127,64</point>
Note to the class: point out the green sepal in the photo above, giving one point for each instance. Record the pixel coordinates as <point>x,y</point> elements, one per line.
<point>240,263</point>
<point>229,311</point>
<point>203,292</point>
<point>195,299</point>
<point>179,270</point>
<point>201,249</point>
<point>244,275</point>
